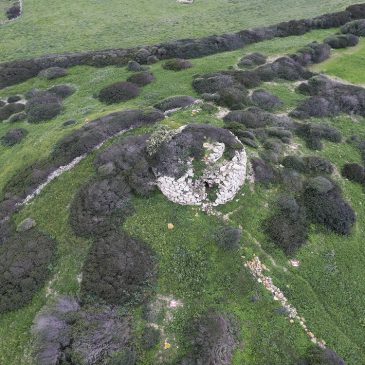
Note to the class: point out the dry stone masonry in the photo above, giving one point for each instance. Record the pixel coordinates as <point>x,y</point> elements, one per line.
<point>221,177</point>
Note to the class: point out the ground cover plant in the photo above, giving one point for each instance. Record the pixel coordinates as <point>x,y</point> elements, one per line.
<point>115,256</point>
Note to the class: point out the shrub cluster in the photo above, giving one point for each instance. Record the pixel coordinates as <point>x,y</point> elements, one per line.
<point>252,60</point>
<point>177,64</point>
<point>43,107</point>
<point>357,27</point>
<point>117,270</point>
<point>228,238</point>
<point>263,171</point>
<point>354,172</point>
<point>226,88</point>
<point>129,159</point>
<point>313,134</point>
<point>325,205</point>
<point>62,91</point>
<point>100,206</point>
<point>141,78</point>
<point>24,267</point>
<point>13,136</point>
<point>265,100</point>
<point>288,227</point>
<point>312,53</point>
<point>313,165</point>
<point>67,333</point>
<point>329,98</point>
<point>175,102</point>
<point>318,356</point>
<point>342,40</point>
<point>13,99</point>
<point>214,339</point>
<point>118,92</point>
<point>10,109</point>
<point>286,68</point>
<point>14,11</point>
<point>53,73</point>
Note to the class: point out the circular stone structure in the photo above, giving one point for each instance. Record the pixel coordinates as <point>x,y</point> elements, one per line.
<point>201,165</point>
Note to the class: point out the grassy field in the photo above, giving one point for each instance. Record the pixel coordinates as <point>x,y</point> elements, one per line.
<point>328,289</point>
<point>92,24</point>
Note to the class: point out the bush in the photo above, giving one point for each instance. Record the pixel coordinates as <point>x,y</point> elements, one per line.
<point>354,172</point>
<point>288,227</point>
<point>266,100</point>
<point>228,238</point>
<point>295,163</point>
<point>252,60</point>
<point>251,118</point>
<point>233,98</point>
<point>13,137</point>
<point>292,180</point>
<point>53,73</point>
<point>329,208</point>
<point>342,41</point>
<point>317,107</point>
<point>100,206</point>
<point>141,78</point>
<point>357,11</point>
<point>248,79</point>
<point>214,338</point>
<point>318,356</point>
<point>130,161</point>
<point>14,11</point>
<point>175,102</point>
<point>317,165</point>
<point>89,136</point>
<point>212,83</point>
<point>66,333</point>
<point>62,91</point>
<point>263,171</point>
<point>177,64</point>
<point>10,109</point>
<point>312,53</point>
<point>150,338</point>
<point>117,270</point>
<point>314,133</point>
<point>24,268</point>
<point>134,66</point>
<point>118,92</point>
<point>14,99</point>
<point>357,27</point>
<point>42,108</point>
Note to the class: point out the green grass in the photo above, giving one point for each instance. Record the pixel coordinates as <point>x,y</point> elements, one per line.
<point>328,288</point>
<point>92,24</point>
<point>348,64</point>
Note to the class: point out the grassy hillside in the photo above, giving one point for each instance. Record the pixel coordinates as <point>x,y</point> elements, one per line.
<point>327,289</point>
<point>54,27</point>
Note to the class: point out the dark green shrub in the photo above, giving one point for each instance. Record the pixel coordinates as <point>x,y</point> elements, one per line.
<point>342,40</point>
<point>141,78</point>
<point>13,136</point>
<point>118,92</point>
<point>14,11</point>
<point>288,227</point>
<point>42,108</point>
<point>228,238</point>
<point>150,338</point>
<point>354,172</point>
<point>319,356</point>
<point>117,270</point>
<point>252,60</point>
<point>62,91</point>
<point>329,208</point>
<point>175,102</point>
<point>14,99</point>
<point>53,73</point>
<point>177,64</point>
<point>266,100</point>
<point>100,206</point>
<point>10,109</point>
<point>24,268</point>
<point>356,27</point>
